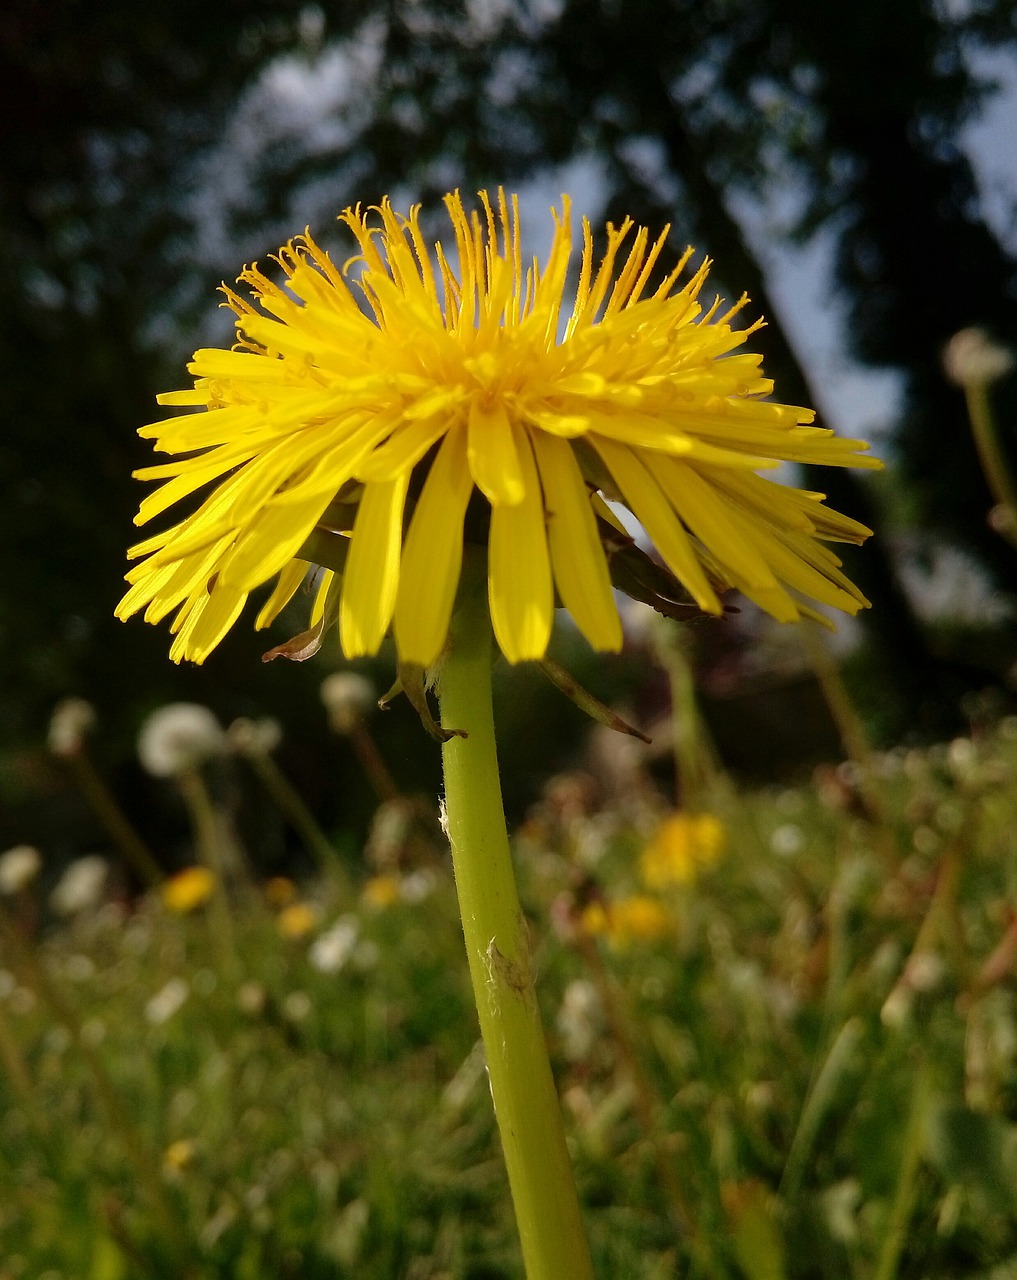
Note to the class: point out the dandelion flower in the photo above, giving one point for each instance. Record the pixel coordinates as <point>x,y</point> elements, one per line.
<point>188,890</point>
<point>297,920</point>
<point>682,846</point>
<point>374,419</point>
<point>280,891</point>
<point>381,891</point>
<point>178,1155</point>
<point>627,920</point>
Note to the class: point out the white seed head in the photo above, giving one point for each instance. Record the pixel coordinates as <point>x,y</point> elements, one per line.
<point>81,886</point>
<point>348,697</point>
<point>18,868</point>
<point>167,1001</point>
<point>254,737</point>
<point>178,737</point>
<point>972,358</point>
<point>580,1019</point>
<point>331,950</point>
<point>72,721</point>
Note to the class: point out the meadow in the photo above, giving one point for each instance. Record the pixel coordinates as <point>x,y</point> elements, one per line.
<point>783,1030</point>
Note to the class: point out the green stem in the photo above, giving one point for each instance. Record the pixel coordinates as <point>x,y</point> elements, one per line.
<point>526,1105</point>
<point>292,806</point>
<point>371,762</point>
<point>208,841</point>
<point>990,454</point>
<point>817,1103</point>
<point>104,803</point>
<point>906,1192</point>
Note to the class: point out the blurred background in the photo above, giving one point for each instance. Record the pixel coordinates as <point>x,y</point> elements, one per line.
<point>851,167</point>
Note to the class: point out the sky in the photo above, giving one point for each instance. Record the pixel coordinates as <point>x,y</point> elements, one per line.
<point>321,101</point>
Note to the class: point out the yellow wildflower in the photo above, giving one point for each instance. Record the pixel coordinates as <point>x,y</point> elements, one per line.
<point>634,919</point>
<point>381,891</point>
<point>178,1155</point>
<point>280,891</point>
<point>468,402</point>
<point>683,845</point>
<point>188,889</point>
<point>297,920</point>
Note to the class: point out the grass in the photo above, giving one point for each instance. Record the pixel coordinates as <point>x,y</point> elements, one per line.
<point>808,1070</point>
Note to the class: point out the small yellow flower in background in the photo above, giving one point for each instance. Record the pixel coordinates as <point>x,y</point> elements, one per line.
<point>635,919</point>
<point>381,891</point>
<point>682,846</point>
<point>178,1155</point>
<point>297,920</point>
<point>188,889</point>
<point>280,891</point>
<point>469,402</point>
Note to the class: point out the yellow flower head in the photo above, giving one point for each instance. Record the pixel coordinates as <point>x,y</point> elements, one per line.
<point>633,919</point>
<point>178,1155</point>
<point>381,891</point>
<point>280,891</point>
<point>682,846</point>
<point>373,420</point>
<point>188,889</point>
<point>297,920</point>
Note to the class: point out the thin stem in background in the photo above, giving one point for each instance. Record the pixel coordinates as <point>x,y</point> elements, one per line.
<point>208,839</point>
<point>293,808</point>
<point>990,454</point>
<point>817,1103</point>
<point>906,1191</point>
<point>107,810</point>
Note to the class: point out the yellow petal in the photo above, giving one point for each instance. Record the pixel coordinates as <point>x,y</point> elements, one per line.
<point>433,554</point>
<point>580,565</point>
<point>715,521</point>
<point>274,540</point>
<point>519,568</point>
<point>653,511</point>
<point>371,577</point>
<point>290,579</point>
<point>495,463</point>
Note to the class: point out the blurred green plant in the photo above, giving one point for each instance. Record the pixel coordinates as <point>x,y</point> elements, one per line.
<point>834,1078</point>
